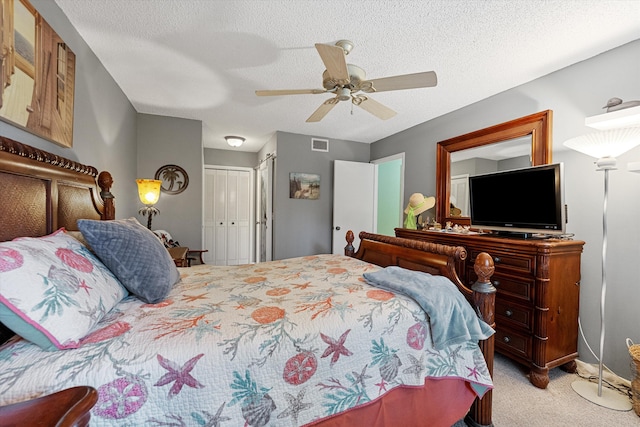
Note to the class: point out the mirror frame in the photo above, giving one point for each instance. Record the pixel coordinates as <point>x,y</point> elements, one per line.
<point>538,125</point>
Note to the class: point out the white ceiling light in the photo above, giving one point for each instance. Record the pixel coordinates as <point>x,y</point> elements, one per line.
<point>234,141</point>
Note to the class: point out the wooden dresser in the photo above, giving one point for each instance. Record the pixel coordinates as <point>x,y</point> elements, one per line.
<point>538,283</point>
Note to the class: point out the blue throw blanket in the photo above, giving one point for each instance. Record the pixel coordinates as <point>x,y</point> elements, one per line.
<point>452,319</point>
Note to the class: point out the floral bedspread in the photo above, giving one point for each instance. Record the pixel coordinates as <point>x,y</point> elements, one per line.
<point>279,343</point>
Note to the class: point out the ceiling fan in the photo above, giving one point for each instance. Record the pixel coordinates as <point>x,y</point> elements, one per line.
<point>347,81</point>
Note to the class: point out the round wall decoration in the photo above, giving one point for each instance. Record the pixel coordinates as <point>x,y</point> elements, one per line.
<point>174,179</point>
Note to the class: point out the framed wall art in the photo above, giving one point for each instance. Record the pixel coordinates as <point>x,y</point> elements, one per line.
<point>37,80</point>
<point>174,179</point>
<point>304,186</point>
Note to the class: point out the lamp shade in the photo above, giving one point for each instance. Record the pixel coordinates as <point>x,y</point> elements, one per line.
<point>234,141</point>
<point>149,190</point>
<point>608,143</point>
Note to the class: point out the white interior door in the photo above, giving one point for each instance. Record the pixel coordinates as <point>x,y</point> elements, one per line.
<point>243,217</point>
<point>209,226</point>
<point>264,237</point>
<point>220,218</point>
<point>353,201</point>
<point>460,193</point>
<point>228,217</point>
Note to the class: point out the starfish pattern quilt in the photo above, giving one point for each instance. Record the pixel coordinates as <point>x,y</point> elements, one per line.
<point>282,343</point>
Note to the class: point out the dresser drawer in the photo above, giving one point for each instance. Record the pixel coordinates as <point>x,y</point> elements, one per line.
<point>508,262</point>
<point>514,315</point>
<point>514,343</point>
<point>520,288</point>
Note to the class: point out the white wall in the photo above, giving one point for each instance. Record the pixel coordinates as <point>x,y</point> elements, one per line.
<point>572,93</point>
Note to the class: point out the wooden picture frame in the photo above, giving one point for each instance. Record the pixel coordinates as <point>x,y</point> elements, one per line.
<point>37,80</point>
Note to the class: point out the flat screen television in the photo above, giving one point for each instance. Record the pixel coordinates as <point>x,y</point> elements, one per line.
<point>526,202</point>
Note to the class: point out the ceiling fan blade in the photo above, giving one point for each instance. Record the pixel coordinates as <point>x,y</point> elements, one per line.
<point>406,81</point>
<point>289,92</point>
<point>334,59</point>
<point>323,110</point>
<point>373,107</point>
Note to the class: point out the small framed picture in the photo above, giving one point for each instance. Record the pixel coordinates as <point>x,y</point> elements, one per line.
<point>304,186</point>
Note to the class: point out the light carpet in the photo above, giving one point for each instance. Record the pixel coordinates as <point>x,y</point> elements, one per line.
<point>516,402</point>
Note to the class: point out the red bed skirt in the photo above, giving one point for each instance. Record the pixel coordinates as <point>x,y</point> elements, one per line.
<point>440,403</point>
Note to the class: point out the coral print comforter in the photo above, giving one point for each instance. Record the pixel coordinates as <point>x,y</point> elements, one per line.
<point>279,343</point>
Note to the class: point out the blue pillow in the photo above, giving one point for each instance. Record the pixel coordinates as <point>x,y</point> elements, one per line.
<point>134,254</point>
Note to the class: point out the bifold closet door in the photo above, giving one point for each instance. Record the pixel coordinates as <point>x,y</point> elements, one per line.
<point>227,215</point>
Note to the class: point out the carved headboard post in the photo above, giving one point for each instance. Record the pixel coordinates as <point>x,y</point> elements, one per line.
<point>349,250</point>
<point>105,181</point>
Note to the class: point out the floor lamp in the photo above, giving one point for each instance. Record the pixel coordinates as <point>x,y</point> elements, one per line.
<point>604,146</point>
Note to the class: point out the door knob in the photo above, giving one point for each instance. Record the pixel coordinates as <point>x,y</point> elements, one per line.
<point>338,228</point>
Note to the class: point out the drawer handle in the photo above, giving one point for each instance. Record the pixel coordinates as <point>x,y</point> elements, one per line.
<point>496,283</point>
<point>508,313</point>
<point>506,339</point>
<point>497,260</point>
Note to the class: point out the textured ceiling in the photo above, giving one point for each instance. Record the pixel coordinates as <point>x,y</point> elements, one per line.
<point>204,59</point>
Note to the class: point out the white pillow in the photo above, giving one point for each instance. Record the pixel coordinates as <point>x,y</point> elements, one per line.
<point>53,290</point>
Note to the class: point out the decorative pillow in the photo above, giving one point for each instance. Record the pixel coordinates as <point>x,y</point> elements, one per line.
<point>53,290</point>
<point>166,239</point>
<point>134,254</point>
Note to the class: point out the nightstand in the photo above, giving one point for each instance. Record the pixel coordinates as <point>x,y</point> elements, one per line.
<point>66,408</point>
<point>179,255</point>
<point>191,256</point>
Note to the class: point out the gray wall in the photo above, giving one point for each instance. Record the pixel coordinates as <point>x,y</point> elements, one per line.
<point>104,126</point>
<point>303,227</point>
<point>230,158</point>
<point>573,93</point>
<point>169,140</point>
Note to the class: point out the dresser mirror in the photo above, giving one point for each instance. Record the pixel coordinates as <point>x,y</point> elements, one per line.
<point>522,142</point>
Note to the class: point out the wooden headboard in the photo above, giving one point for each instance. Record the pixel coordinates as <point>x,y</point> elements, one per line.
<point>42,192</point>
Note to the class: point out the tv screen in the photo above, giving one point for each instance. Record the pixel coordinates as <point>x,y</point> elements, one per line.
<point>526,201</point>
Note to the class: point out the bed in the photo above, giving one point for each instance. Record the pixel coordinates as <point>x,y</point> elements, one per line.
<point>301,341</point>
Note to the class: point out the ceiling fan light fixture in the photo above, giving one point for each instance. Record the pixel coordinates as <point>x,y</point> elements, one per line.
<point>234,141</point>
<point>344,94</point>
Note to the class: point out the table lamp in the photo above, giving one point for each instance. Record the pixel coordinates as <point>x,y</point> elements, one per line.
<point>149,193</point>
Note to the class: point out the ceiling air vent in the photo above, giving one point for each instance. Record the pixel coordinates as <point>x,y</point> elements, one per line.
<point>320,145</point>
